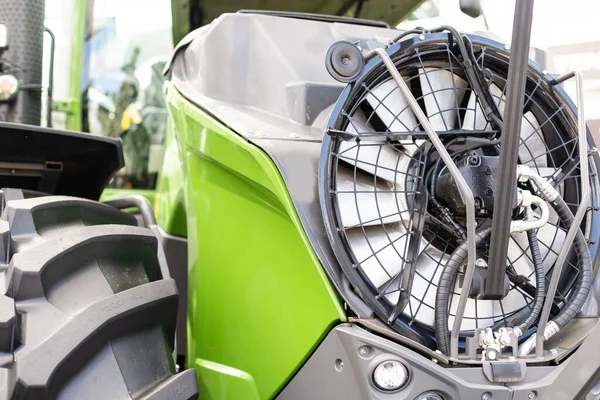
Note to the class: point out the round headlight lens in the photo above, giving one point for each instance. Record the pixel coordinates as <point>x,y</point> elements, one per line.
<point>390,376</point>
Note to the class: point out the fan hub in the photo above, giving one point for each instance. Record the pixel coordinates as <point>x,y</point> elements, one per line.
<point>480,173</point>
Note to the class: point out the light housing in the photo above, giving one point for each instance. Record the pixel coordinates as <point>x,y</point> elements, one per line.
<point>390,376</point>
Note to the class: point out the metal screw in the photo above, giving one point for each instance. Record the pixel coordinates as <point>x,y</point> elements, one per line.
<point>421,37</point>
<point>491,354</point>
<point>505,339</point>
<point>480,262</point>
<point>345,61</point>
<point>363,351</point>
<point>531,396</point>
<point>544,72</point>
<point>486,396</point>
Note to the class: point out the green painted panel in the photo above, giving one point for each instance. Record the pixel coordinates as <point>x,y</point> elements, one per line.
<point>258,300</point>
<point>170,201</point>
<point>74,103</point>
<point>115,193</point>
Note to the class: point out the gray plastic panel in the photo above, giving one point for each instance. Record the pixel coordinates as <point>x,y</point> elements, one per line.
<point>360,351</point>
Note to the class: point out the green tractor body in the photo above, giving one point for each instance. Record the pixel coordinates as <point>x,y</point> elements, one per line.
<point>286,298</point>
<point>255,313</point>
<point>320,189</point>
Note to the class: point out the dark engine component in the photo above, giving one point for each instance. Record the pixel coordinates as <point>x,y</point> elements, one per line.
<point>480,173</point>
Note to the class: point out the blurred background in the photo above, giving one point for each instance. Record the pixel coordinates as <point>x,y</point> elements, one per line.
<point>110,54</point>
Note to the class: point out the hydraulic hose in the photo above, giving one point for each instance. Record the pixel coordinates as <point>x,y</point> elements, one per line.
<point>583,284</point>
<point>540,283</point>
<point>444,290</point>
<point>580,292</point>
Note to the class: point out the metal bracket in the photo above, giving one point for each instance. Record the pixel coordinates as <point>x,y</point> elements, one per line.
<point>505,371</point>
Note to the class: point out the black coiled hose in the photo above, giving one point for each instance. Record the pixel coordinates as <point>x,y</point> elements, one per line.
<point>580,292</point>
<point>444,290</point>
<point>583,284</point>
<point>540,282</point>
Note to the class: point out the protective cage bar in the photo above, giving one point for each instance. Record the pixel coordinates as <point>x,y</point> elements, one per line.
<point>582,210</point>
<point>469,200</point>
<point>371,120</point>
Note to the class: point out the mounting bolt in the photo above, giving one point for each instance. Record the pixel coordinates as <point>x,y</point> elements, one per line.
<point>505,339</point>
<point>421,37</point>
<point>486,396</point>
<point>480,262</point>
<point>544,72</point>
<point>363,351</point>
<point>532,396</point>
<point>491,354</point>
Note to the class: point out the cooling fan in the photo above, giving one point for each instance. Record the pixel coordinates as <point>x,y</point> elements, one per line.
<point>393,214</point>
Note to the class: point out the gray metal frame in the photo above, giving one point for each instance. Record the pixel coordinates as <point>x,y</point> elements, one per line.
<point>343,364</point>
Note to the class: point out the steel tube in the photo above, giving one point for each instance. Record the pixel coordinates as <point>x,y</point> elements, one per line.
<point>581,211</point>
<point>462,186</point>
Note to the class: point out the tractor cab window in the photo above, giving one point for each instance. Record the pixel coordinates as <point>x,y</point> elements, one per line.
<point>124,53</point>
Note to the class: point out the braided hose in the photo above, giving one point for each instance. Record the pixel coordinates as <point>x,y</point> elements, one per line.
<point>580,292</point>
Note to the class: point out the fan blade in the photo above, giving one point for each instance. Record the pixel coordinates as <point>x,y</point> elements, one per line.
<point>358,124</point>
<point>366,200</point>
<point>380,250</point>
<point>443,92</point>
<point>474,117</point>
<point>369,155</point>
<point>532,147</point>
<point>377,159</point>
<point>392,108</point>
<point>499,97</point>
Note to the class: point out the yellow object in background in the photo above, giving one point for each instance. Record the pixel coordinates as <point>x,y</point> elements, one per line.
<point>131,115</point>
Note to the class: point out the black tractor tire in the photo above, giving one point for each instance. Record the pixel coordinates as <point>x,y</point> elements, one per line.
<point>87,309</point>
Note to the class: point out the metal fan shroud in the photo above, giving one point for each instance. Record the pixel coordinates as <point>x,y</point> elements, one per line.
<point>374,180</point>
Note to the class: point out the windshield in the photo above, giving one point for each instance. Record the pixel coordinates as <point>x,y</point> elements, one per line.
<point>124,54</point>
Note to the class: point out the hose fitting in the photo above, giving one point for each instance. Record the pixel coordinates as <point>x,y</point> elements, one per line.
<point>544,188</point>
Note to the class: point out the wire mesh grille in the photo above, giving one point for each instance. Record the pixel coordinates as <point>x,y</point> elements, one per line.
<point>396,231</point>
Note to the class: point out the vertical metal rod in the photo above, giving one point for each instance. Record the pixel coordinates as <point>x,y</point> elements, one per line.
<point>464,189</point>
<point>50,88</point>
<point>581,211</point>
<point>509,151</point>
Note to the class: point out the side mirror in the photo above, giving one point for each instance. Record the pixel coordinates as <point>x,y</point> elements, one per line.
<point>471,7</point>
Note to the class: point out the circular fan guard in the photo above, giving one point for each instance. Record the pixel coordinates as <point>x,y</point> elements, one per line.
<point>387,227</point>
